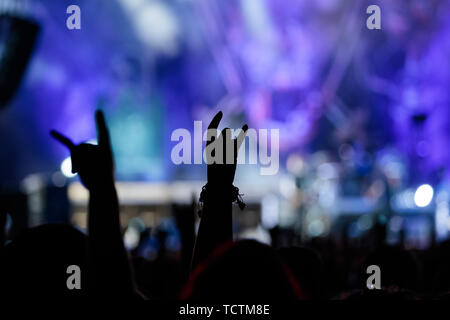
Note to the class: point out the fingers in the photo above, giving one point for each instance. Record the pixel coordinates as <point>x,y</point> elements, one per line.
<point>63,139</point>
<point>102,130</point>
<point>241,136</point>
<point>212,134</point>
<point>215,121</point>
<point>228,146</point>
<point>226,133</point>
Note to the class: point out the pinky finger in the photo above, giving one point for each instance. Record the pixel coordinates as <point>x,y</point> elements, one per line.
<point>241,136</point>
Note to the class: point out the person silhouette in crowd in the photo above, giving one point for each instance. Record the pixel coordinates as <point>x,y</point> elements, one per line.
<point>246,270</point>
<point>35,263</point>
<point>222,269</point>
<point>399,267</point>
<point>307,268</point>
<point>219,193</point>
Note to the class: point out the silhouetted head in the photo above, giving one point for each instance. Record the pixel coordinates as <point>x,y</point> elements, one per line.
<point>307,268</point>
<point>398,267</point>
<point>35,263</point>
<point>246,270</point>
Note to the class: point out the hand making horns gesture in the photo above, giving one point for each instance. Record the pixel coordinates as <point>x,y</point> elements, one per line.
<point>94,163</point>
<point>221,173</point>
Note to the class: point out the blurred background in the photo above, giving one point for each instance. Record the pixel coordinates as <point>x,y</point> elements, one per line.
<point>363,114</point>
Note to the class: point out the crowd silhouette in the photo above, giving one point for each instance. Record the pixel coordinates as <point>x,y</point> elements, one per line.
<point>213,267</point>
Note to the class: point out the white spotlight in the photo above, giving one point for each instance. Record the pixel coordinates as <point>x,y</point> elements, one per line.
<point>66,168</point>
<point>423,195</point>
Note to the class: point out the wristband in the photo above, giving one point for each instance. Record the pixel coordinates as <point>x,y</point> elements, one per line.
<point>235,196</point>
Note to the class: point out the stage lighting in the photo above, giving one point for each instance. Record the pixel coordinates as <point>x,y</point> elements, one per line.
<point>316,228</point>
<point>423,195</point>
<point>131,238</point>
<point>66,168</point>
<point>270,214</point>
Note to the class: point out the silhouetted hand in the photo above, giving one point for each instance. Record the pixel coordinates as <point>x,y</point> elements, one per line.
<point>94,163</point>
<point>222,174</point>
<point>216,220</point>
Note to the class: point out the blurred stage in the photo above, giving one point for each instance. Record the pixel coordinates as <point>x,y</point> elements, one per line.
<point>363,114</point>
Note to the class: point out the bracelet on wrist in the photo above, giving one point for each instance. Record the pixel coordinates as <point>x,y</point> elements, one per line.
<point>207,194</point>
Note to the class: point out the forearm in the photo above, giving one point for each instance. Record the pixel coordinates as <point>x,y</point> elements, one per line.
<point>109,265</point>
<point>215,226</point>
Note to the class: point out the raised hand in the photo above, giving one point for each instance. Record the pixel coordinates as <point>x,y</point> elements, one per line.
<point>107,255</point>
<point>94,163</point>
<point>221,170</point>
<point>219,193</point>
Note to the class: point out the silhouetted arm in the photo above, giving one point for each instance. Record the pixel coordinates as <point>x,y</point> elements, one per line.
<point>216,221</point>
<point>109,272</point>
<point>215,226</point>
